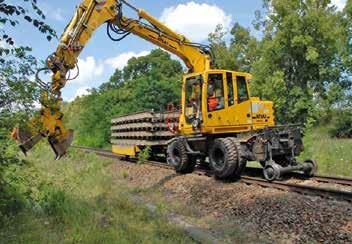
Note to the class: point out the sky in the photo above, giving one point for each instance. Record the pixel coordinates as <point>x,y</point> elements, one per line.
<point>101,56</point>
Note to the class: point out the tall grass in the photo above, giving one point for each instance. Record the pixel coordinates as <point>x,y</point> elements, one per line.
<point>75,200</point>
<point>334,156</point>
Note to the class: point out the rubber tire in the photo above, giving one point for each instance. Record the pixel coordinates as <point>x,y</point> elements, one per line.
<point>178,158</point>
<point>227,148</point>
<point>242,163</point>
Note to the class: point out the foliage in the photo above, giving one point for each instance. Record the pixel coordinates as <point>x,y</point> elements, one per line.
<point>239,54</point>
<point>144,155</point>
<point>300,56</point>
<point>114,82</point>
<point>333,155</point>
<point>149,82</point>
<point>16,65</point>
<point>342,126</point>
<point>17,92</point>
<point>77,200</point>
<point>10,16</point>
<point>348,24</point>
<point>224,58</point>
<point>302,61</point>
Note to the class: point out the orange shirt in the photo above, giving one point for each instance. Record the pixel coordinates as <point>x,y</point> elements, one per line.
<point>212,103</point>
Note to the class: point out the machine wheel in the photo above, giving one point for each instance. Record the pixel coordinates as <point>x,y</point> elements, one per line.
<point>241,162</point>
<point>271,171</point>
<point>223,158</point>
<point>177,157</point>
<point>312,170</point>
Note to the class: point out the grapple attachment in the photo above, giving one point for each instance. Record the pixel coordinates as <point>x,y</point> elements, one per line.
<point>25,139</point>
<point>61,144</point>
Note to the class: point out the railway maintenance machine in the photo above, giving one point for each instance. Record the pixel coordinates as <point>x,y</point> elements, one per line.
<point>219,119</point>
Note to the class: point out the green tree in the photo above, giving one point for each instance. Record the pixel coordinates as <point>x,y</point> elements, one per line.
<point>348,24</point>
<point>239,53</point>
<point>16,65</point>
<point>157,60</point>
<point>244,46</point>
<point>114,82</point>
<point>224,58</point>
<point>17,91</point>
<point>149,82</point>
<point>300,56</point>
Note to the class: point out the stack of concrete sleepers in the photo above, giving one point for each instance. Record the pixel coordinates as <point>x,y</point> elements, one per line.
<point>132,133</point>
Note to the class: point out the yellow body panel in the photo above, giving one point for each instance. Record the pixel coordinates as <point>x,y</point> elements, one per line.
<point>241,116</point>
<point>131,151</point>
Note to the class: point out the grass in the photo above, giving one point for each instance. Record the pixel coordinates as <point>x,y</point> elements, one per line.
<point>74,200</point>
<point>334,156</point>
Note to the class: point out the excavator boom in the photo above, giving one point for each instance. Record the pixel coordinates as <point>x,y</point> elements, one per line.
<point>89,16</point>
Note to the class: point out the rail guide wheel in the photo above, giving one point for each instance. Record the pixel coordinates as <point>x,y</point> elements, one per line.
<point>178,158</point>
<point>272,171</point>
<point>224,158</point>
<point>311,169</point>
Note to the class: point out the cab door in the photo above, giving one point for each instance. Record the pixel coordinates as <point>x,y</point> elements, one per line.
<point>241,112</point>
<point>215,100</point>
<point>191,116</point>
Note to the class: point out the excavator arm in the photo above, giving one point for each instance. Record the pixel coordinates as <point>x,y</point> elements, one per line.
<point>197,57</point>
<point>48,122</point>
<point>89,16</point>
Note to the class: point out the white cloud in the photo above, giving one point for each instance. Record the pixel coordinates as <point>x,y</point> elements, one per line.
<point>82,91</point>
<point>120,61</point>
<point>58,14</point>
<point>89,71</point>
<point>195,20</point>
<point>340,4</point>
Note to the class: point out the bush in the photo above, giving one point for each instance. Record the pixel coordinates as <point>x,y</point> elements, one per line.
<point>342,127</point>
<point>144,155</point>
<point>10,199</point>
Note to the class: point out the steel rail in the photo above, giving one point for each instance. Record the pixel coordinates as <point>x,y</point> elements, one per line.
<point>251,171</point>
<point>333,179</point>
<point>298,188</point>
<point>303,189</point>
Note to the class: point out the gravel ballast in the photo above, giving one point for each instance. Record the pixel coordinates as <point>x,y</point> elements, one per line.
<point>275,215</point>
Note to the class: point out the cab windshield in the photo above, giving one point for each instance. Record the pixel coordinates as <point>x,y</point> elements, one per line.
<point>193,98</point>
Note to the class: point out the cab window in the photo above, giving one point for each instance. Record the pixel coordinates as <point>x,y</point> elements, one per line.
<point>242,92</point>
<point>230,94</point>
<point>215,92</point>
<point>193,97</point>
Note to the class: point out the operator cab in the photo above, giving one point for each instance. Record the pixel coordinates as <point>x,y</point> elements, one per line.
<point>219,101</point>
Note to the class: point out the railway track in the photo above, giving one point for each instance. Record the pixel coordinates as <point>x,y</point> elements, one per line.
<point>318,178</point>
<point>325,192</point>
<point>333,179</point>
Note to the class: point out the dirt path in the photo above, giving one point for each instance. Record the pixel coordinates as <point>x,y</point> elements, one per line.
<point>242,213</point>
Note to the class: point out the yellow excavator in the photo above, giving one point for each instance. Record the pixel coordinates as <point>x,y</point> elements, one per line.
<point>219,119</point>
